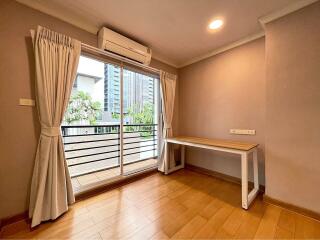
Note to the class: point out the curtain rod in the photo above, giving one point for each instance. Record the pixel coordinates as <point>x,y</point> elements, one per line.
<point>120,58</point>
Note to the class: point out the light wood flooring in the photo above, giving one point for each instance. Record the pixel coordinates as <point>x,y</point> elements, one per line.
<point>183,205</point>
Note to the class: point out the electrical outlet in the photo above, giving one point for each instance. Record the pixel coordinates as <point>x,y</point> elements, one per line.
<point>26,102</point>
<point>243,131</point>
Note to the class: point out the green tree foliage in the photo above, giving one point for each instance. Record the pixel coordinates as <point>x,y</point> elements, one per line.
<point>81,107</point>
<point>145,116</point>
<point>141,117</point>
<point>116,116</point>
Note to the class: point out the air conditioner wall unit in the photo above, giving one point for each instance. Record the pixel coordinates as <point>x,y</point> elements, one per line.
<point>116,43</point>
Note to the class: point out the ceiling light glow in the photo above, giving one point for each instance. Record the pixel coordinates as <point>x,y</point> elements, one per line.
<point>215,24</point>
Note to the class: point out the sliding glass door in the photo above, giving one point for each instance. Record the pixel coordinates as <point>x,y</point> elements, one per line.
<point>140,120</point>
<point>110,127</point>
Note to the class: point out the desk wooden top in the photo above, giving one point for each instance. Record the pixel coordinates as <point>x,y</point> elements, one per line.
<point>244,146</point>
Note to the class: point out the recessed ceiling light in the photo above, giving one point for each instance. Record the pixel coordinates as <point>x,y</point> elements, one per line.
<point>215,24</point>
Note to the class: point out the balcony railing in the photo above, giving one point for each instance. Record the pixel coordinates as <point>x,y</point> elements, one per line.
<point>94,148</point>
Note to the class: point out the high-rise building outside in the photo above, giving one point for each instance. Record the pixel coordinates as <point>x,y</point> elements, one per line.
<point>138,90</point>
<point>111,88</point>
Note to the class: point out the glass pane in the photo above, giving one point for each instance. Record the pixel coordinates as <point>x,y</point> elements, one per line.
<point>140,109</point>
<point>91,126</point>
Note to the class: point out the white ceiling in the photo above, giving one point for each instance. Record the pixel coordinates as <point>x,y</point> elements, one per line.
<point>176,30</point>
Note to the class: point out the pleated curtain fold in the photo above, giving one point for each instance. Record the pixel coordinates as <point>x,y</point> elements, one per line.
<point>56,62</point>
<point>168,89</point>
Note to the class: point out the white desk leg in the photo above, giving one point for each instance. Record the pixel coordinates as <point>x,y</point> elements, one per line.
<point>248,198</point>
<point>255,169</point>
<point>166,164</point>
<point>183,155</point>
<point>170,170</point>
<point>244,179</point>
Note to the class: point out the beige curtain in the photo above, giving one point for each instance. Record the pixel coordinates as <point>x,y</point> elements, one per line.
<point>168,89</point>
<point>56,62</point>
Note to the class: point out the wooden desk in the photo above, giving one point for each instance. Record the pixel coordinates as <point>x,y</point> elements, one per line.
<point>241,148</point>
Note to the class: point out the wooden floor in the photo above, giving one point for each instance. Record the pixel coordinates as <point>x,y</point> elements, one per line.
<point>183,205</point>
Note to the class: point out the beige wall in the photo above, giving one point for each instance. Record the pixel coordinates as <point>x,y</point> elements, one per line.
<point>19,128</point>
<point>293,108</point>
<point>223,92</point>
